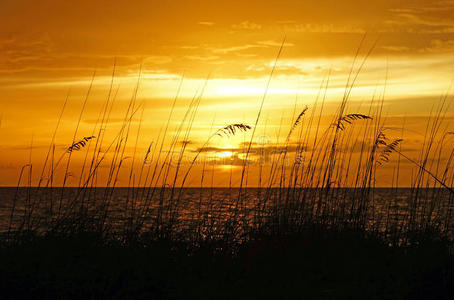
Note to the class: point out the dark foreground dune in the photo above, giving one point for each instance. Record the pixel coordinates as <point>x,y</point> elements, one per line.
<point>316,264</point>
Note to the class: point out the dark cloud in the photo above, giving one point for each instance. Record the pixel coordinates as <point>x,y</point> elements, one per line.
<point>254,150</point>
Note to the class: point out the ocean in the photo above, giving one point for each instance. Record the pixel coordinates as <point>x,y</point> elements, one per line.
<point>379,209</point>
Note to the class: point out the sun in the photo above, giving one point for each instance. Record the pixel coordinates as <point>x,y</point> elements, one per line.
<point>227,152</point>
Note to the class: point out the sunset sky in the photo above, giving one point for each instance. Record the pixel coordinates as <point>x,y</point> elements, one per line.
<point>50,49</point>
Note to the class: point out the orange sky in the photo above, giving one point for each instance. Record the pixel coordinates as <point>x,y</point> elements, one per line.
<point>49,47</point>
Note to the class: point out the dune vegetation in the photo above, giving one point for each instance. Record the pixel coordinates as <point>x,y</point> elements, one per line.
<point>313,223</point>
